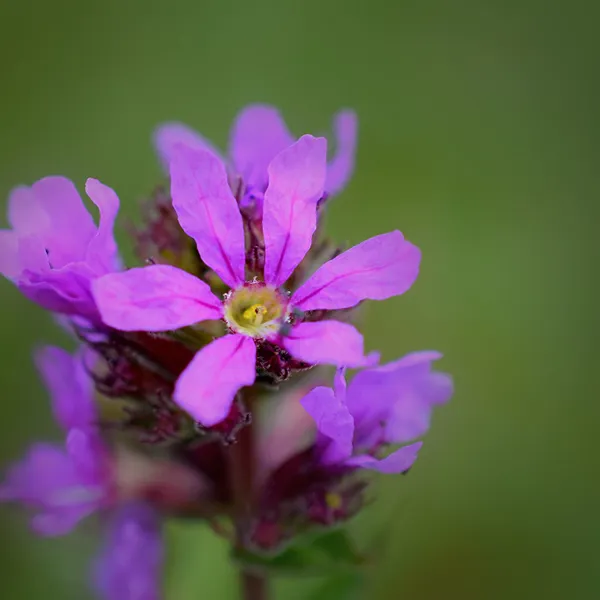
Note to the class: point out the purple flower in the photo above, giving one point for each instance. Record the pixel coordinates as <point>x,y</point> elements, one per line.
<point>258,135</point>
<point>130,564</point>
<point>54,249</point>
<point>385,405</point>
<point>162,298</point>
<point>63,484</point>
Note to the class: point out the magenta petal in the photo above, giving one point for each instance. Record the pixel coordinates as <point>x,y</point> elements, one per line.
<point>378,268</point>
<point>296,181</point>
<point>131,562</point>
<point>70,387</point>
<point>208,212</point>
<point>102,253</point>
<point>207,387</point>
<point>26,214</point>
<point>170,135</point>
<point>154,298</point>
<point>258,135</point>
<point>10,265</point>
<point>327,342</point>
<point>334,423</point>
<point>398,461</point>
<point>340,168</point>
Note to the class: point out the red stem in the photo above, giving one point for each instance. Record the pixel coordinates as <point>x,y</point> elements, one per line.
<point>254,586</point>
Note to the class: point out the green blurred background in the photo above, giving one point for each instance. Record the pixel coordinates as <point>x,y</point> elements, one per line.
<point>478,140</point>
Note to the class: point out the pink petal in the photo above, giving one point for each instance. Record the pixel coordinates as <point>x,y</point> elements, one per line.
<point>10,265</point>
<point>154,298</point>
<point>207,387</point>
<point>71,226</point>
<point>258,135</point>
<point>379,268</point>
<point>327,342</point>
<point>102,251</point>
<point>208,212</point>
<point>334,423</point>
<point>397,462</point>
<point>170,135</point>
<point>70,387</point>
<point>296,180</point>
<point>26,214</point>
<point>340,168</point>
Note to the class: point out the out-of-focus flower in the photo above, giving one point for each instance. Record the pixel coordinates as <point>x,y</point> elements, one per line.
<point>386,405</point>
<point>162,297</point>
<point>53,250</point>
<point>62,485</point>
<point>130,564</point>
<point>258,135</point>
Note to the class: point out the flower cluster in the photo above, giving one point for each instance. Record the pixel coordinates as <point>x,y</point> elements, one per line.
<point>225,333</point>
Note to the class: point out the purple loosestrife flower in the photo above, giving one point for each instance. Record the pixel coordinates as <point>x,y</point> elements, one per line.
<point>161,297</point>
<point>130,564</point>
<point>54,250</point>
<point>257,136</point>
<point>385,405</point>
<point>63,484</point>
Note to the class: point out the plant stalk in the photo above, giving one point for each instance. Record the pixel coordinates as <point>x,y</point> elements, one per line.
<point>254,586</point>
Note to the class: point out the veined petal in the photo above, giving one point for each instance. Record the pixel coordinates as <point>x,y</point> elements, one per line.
<point>296,182</point>
<point>327,342</point>
<point>69,385</point>
<point>102,250</point>
<point>207,387</point>
<point>168,136</point>
<point>378,268</point>
<point>340,168</point>
<point>334,423</point>
<point>398,461</point>
<point>208,212</point>
<point>258,135</point>
<point>154,298</point>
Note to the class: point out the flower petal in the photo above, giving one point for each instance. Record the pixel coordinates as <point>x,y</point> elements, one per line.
<point>258,135</point>
<point>208,212</point>
<point>154,298</point>
<point>378,268</point>
<point>102,252</point>
<point>398,461</point>
<point>69,385</point>
<point>10,265</point>
<point>207,387</point>
<point>130,564</point>
<point>296,181</point>
<point>70,225</point>
<point>334,423</point>
<point>340,168</point>
<point>327,342</point>
<point>168,136</point>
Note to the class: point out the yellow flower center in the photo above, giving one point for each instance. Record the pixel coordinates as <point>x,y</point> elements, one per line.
<point>255,310</point>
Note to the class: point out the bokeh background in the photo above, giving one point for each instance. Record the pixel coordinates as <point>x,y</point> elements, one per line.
<point>478,139</point>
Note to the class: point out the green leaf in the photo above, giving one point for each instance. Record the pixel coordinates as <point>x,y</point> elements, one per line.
<point>347,586</point>
<point>327,553</point>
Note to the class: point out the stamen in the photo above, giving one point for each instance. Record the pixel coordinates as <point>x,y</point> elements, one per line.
<point>254,314</point>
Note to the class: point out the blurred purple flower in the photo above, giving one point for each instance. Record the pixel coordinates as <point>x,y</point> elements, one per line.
<point>258,135</point>
<point>162,298</point>
<point>63,484</point>
<point>54,249</point>
<point>130,564</point>
<point>381,406</point>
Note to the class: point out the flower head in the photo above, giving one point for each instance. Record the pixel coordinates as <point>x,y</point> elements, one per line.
<point>258,135</point>
<point>382,406</point>
<point>130,564</point>
<point>54,250</point>
<point>63,484</point>
<point>162,298</point>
